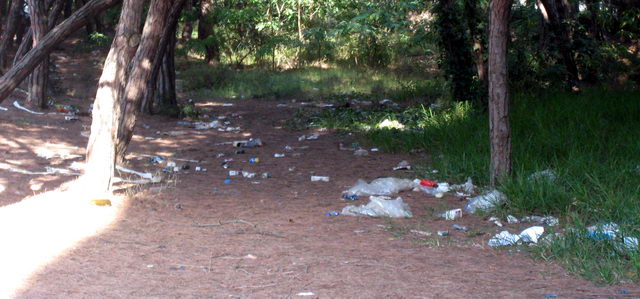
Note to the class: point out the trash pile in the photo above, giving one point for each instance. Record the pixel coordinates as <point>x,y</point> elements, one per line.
<point>380,206</point>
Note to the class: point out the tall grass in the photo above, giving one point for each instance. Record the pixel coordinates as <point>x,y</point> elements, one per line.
<point>591,141</point>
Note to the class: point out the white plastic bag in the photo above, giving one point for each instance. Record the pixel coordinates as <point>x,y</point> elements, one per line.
<point>381,186</point>
<point>380,206</point>
<point>485,201</point>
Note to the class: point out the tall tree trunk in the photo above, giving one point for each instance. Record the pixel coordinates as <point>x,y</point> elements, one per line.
<point>299,13</point>
<point>474,16</point>
<point>52,19</point>
<point>6,41</point>
<point>101,148</point>
<point>38,79</point>
<point>157,20</point>
<point>205,32</point>
<point>187,29</point>
<point>166,51</point>
<point>558,12</point>
<point>499,91</point>
<point>10,80</point>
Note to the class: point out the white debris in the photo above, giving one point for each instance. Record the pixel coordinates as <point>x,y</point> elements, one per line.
<point>380,206</point>
<point>465,189</point>
<point>144,175</point>
<point>248,175</point>
<point>421,232</point>
<point>17,105</point>
<point>317,178</point>
<point>206,126</point>
<point>531,234</point>
<point>504,238</point>
<point>487,201</point>
<point>606,231</point>
<point>628,244</point>
<point>2,188</point>
<point>381,186</point>
<point>547,220</point>
<point>3,109</point>
<point>451,214</point>
<point>512,219</point>
<point>361,152</point>
<point>403,165</point>
<point>306,294</point>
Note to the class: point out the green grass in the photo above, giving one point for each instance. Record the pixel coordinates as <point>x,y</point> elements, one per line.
<point>204,81</point>
<point>591,141</point>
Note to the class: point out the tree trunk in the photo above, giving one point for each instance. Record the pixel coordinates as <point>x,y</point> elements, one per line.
<point>558,12</point>
<point>499,91</point>
<point>205,32</point>
<point>299,13</point>
<point>10,28</point>
<point>10,80</point>
<point>38,79</point>
<point>107,111</point>
<point>164,59</point>
<point>27,42</point>
<point>474,17</point>
<point>187,29</point>
<point>157,20</point>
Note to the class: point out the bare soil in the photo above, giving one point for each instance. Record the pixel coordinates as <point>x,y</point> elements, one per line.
<point>195,236</point>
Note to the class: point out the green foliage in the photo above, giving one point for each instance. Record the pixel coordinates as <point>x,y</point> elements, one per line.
<point>589,140</point>
<point>99,39</point>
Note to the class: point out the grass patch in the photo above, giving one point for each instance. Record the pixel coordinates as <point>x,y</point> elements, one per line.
<point>591,141</point>
<point>205,81</point>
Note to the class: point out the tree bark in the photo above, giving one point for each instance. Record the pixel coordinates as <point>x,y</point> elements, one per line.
<point>10,28</point>
<point>166,54</point>
<point>38,79</point>
<point>10,80</point>
<point>107,111</point>
<point>205,32</point>
<point>157,21</point>
<point>500,130</point>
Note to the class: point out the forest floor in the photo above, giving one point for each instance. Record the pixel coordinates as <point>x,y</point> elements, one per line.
<point>196,236</point>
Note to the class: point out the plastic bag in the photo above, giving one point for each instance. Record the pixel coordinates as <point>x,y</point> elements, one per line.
<point>380,206</point>
<point>485,201</point>
<point>381,186</point>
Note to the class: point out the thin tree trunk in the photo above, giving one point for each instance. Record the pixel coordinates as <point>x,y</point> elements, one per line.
<point>474,17</point>
<point>11,26</point>
<point>299,12</point>
<point>205,31</point>
<point>38,79</point>
<point>10,80</point>
<point>499,91</point>
<point>141,69</point>
<point>166,52</point>
<point>557,13</point>
<point>107,111</point>
<point>187,29</point>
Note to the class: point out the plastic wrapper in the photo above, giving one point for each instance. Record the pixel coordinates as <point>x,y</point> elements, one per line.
<point>487,201</point>
<point>380,206</point>
<point>381,186</point>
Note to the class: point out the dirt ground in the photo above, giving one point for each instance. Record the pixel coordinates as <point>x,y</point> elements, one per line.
<point>196,236</point>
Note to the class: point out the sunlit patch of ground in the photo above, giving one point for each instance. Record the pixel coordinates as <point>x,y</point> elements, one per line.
<point>40,229</point>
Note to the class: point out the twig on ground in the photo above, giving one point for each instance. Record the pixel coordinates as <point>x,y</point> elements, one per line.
<point>221,223</point>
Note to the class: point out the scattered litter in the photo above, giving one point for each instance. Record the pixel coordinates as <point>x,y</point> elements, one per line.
<point>227,105</point>
<point>460,227</point>
<point>531,234</point>
<point>257,142</point>
<point>380,206</point>
<point>48,170</point>
<point>551,296</point>
<point>512,220</point>
<point>278,155</point>
<point>487,201</point>
<point>443,233</point>
<point>248,175</point>
<point>199,168</point>
<point>403,165</point>
<point>495,221</point>
<point>225,165</point>
<point>547,220</point>
<point>434,188</point>
<point>361,152</point>
<point>546,174</point>
<point>144,175</point>
<point>254,160</point>
<point>179,267</point>
<point>381,186</point>
<point>628,244</point>
<point>333,213</point>
<point>465,189</point>
<point>227,181</point>
<point>233,172</point>
<point>156,159</point>
<point>623,292</point>
<point>171,164</point>
<point>282,105</point>
<point>317,178</point>
<point>451,214</point>
<point>505,238</point>
<point>3,109</point>
<point>17,105</point>
<point>375,149</point>
<point>306,294</point>
<point>206,126</point>
<point>607,231</point>
<point>172,133</point>
<point>390,124</point>
<point>150,138</point>
<point>309,137</point>
<point>266,175</point>
<point>386,101</point>
<point>350,196</point>
<point>46,153</point>
<point>421,232</point>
